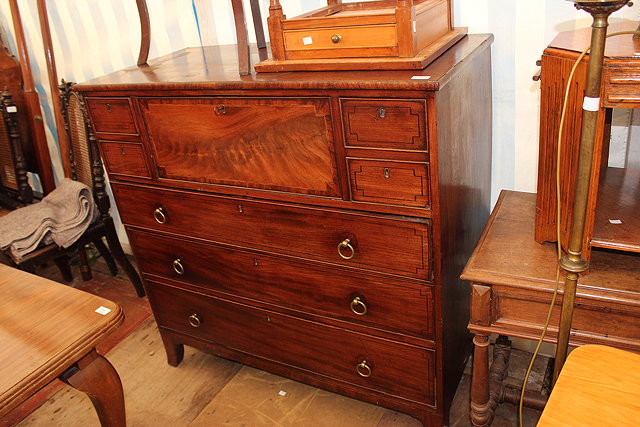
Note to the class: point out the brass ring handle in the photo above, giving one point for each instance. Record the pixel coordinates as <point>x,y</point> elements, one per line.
<point>194,320</point>
<point>336,38</point>
<point>363,369</point>
<point>178,267</point>
<point>159,215</point>
<point>346,243</point>
<point>358,306</point>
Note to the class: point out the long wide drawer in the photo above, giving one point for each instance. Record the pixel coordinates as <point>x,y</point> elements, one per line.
<point>392,305</point>
<point>386,244</point>
<point>386,366</point>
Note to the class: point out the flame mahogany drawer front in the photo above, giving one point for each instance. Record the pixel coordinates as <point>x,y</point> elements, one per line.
<point>385,366</point>
<point>383,123</point>
<point>349,239</point>
<point>112,115</point>
<point>389,304</point>
<point>245,142</point>
<point>124,158</point>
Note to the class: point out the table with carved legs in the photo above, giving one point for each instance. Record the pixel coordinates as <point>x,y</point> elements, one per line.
<point>512,279</point>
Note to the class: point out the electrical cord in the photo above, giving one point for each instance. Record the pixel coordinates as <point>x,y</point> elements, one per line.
<point>558,216</point>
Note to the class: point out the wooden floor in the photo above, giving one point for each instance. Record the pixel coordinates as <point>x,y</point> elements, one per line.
<point>205,390</point>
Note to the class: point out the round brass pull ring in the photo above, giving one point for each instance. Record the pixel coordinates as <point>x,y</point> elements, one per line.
<point>358,306</point>
<point>346,243</point>
<point>178,267</point>
<point>159,215</point>
<point>336,38</point>
<point>194,320</point>
<point>363,369</point>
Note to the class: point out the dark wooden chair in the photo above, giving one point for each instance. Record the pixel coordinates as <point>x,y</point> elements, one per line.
<point>15,190</point>
<point>86,167</point>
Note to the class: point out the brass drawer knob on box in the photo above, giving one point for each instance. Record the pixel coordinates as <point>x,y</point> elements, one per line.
<point>363,369</point>
<point>194,320</point>
<point>358,306</point>
<point>346,243</point>
<point>336,38</point>
<point>178,267</point>
<point>160,215</point>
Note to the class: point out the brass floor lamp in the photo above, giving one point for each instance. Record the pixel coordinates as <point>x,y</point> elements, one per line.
<point>573,263</point>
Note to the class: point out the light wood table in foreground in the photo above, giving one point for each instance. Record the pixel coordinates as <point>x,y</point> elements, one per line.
<point>48,331</point>
<point>598,386</point>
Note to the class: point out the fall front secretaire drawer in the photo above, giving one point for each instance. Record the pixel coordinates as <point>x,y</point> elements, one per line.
<point>391,304</point>
<point>388,244</point>
<point>386,366</point>
<point>280,144</point>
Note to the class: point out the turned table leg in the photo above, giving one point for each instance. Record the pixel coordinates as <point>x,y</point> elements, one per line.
<point>95,376</point>
<point>480,407</point>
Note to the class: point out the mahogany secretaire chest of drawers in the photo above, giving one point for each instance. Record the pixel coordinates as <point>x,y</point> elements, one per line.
<point>311,224</point>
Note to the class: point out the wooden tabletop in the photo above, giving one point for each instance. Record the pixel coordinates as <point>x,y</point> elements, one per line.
<point>598,386</point>
<point>216,67</point>
<point>507,254</point>
<point>622,46</point>
<point>45,327</point>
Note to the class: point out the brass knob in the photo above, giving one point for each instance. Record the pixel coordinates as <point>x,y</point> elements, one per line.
<point>363,369</point>
<point>358,306</point>
<point>178,267</point>
<point>346,243</point>
<point>336,38</point>
<point>194,320</point>
<point>160,215</point>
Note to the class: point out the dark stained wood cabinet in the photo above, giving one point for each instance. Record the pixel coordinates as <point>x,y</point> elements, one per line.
<point>312,224</point>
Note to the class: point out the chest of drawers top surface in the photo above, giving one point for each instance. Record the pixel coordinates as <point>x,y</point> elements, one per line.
<point>214,67</point>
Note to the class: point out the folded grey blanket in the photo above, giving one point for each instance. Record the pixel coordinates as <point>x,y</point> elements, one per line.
<point>61,217</point>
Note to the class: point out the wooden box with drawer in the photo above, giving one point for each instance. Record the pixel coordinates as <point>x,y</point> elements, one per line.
<point>312,225</point>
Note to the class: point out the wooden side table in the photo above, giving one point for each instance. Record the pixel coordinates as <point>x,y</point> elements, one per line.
<point>512,280</point>
<point>598,386</point>
<point>48,331</point>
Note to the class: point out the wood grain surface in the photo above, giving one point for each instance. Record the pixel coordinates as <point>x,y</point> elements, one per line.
<point>45,327</point>
<point>260,143</point>
<point>598,386</point>
<point>301,287</point>
<point>394,369</point>
<point>284,229</point>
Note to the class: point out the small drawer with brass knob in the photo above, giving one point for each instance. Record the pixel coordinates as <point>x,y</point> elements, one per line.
<point>339,41</point>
